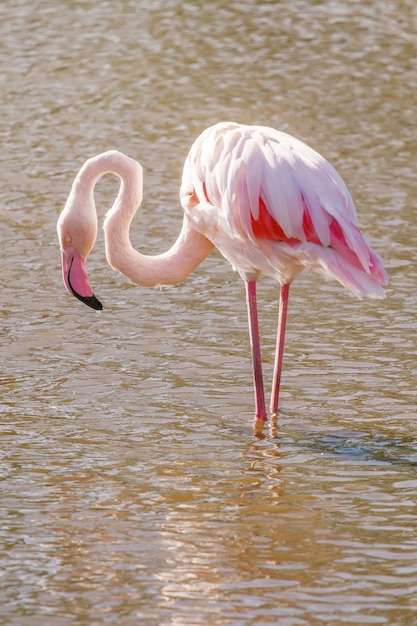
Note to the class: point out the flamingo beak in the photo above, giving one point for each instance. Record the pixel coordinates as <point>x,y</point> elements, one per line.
<point>75,278</point>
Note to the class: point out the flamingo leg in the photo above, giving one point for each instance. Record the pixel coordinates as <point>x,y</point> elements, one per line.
<point>256,350</point>
<point>279,352</point>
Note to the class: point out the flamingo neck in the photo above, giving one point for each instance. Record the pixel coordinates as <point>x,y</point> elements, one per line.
<point>171,267</point>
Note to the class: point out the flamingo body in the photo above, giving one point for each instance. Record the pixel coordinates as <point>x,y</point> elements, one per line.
<point>273,205</point>
<point>266,200</point>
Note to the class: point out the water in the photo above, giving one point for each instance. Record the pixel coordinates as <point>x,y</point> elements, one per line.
<point>134,490</point>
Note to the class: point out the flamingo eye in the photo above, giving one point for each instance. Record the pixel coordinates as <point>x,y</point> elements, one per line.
<point>67,238</point>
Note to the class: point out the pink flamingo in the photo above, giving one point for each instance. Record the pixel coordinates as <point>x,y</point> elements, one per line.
<point>266,200</point>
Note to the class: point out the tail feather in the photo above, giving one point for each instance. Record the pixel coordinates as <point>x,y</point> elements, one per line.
<point>361,282</point>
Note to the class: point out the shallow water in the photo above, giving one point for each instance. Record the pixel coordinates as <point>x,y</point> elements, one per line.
<point>134,489</point>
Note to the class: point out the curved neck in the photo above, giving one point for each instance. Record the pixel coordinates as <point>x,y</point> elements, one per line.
<point>171,267</point>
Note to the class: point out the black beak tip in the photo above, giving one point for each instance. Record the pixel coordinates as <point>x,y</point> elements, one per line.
<point>93,303</point>
<point>90,301</point>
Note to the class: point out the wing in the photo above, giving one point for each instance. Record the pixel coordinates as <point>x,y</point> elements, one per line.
<point>258,183</point>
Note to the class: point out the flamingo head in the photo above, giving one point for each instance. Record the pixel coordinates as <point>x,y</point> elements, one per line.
<point>77,231</point>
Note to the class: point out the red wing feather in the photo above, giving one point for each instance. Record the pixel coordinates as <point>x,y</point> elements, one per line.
<point>268,228</point>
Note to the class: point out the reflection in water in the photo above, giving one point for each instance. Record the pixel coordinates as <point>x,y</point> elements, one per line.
<point>133,486</point>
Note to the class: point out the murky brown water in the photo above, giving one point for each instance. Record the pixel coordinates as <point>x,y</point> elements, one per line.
<point>133,488</point>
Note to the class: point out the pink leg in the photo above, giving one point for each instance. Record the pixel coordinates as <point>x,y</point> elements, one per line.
<point>256,350</point>
<point>279,353</point>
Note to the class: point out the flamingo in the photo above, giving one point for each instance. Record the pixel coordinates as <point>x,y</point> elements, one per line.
<point>265,199</point>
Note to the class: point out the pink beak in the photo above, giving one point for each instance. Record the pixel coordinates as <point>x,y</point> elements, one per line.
<point>75,278</point>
